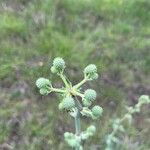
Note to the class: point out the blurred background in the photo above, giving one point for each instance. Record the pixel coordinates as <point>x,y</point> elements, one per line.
<point>113,34</point>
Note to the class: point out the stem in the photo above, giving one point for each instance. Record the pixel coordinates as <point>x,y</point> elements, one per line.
<point>121,120</point>
<point>57,90</point>
<point>77,119</point>
<point>80,83</point>
<point>77,123</point>
<point>78,94</point>
<point>64,79</point>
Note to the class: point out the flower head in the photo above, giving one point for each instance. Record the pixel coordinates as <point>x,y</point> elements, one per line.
<point>42,82</point>
<point>91,72</point>
<point>97,111</point>
<point>68,103</point>
<point>58,65</point>
<point>90,95</point>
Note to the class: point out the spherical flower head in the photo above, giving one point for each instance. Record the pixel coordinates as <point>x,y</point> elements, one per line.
<point>68,103</point>
<point>91,130</point>
<point>90,95</point>
<point>59,64</point>
<point>54,70</point>
<point>90,69</point>
<point>97,111</point>
<point>44,91</point>
<point>42,82</point>
<point>94,76</point>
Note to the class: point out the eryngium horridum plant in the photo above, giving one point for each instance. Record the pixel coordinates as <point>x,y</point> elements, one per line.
<point>114,143</point>
<point>76,102</point>
<point>79,104</point>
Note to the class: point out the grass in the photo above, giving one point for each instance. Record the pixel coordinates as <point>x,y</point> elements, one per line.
<point>113,34</point>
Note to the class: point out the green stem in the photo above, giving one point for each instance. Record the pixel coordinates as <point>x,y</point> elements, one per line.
<point>77,119</point>
<point>57,90</point>
<point>80,83</point>
<point>64,79</point>
<point>77,93</point>
<point>77,125</point>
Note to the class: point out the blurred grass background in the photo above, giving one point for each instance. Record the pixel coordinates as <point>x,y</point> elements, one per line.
<point>113,34</point>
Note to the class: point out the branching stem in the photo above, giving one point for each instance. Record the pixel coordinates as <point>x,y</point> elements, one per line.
<point>80,83</point>
<point>57,90</point>
<point>63,79</point>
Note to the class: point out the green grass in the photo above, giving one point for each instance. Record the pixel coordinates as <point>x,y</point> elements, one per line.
<point>113,34</point>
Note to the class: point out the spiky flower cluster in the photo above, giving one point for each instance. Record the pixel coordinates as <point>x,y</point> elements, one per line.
<point>91,72</point>
<point>117,126</point>
<point>76,102</point>
<point>58,65</point>
<point>75,141</point>
<point>44,86</point>
<point>80,103</point>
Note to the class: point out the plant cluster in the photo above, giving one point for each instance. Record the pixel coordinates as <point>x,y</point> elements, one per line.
<point>117,124</point>
<point>76,102</point>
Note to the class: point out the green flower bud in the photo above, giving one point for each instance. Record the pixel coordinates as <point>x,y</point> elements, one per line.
<point>84,135</point>
<point>90,69</point>
<point>129,117</point>
<point>94,76</point>
<point>44,91</point>
<point>59,64</point>
<point>144,99</point>
<point>90,95</point>
<point>87,103</point>
<point>97,111</point>
<point>60,106</point>
<point>91,130</point>
<point>68,103</point>
<point>91,72</point>
<point>54,70</point>
<point>68,135</point>
<point>74,142</point>
<point>42,82</point>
